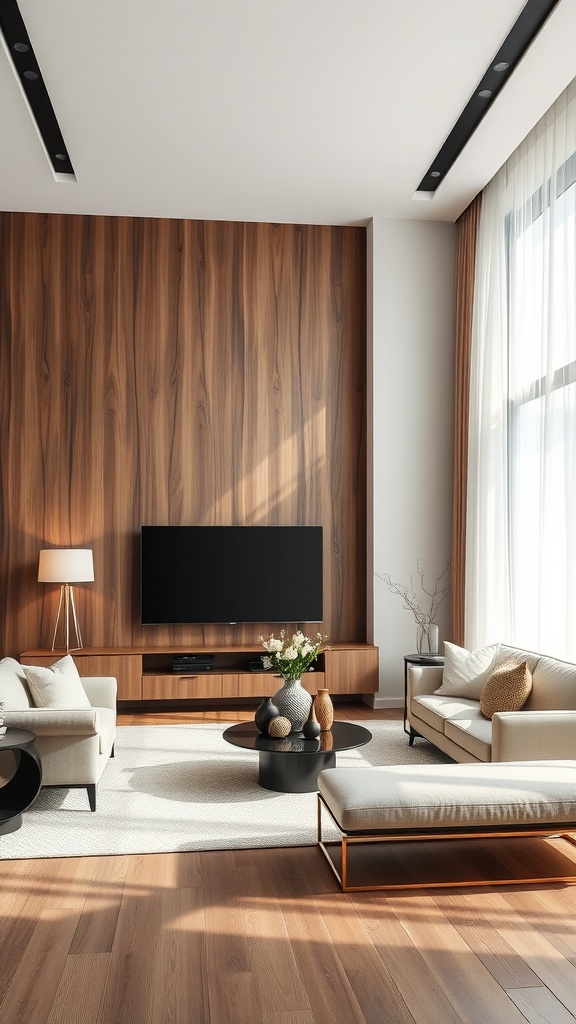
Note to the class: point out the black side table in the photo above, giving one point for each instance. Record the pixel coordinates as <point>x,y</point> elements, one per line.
<point>416,659</point>
<point>23,787</point>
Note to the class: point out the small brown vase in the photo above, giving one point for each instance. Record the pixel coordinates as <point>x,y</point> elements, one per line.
<point>324,710</point>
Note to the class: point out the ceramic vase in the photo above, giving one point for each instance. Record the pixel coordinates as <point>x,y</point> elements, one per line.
<point>293,702</point>
<point>311,728</point>
<point>265,712</point>
<point>427,639</point>
<point>324,709</point>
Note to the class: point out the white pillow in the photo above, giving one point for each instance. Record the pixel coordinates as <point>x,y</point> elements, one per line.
<point>13,687</point>
<point>466,672</point>
<point>58,686</point>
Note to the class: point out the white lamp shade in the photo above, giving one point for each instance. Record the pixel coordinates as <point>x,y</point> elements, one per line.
<point>66,565</point>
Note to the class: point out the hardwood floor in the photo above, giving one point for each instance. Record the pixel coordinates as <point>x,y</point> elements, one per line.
<point>266,937</point>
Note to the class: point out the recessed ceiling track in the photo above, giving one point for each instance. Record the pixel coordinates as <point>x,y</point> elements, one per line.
<point>522,34</point>
<point>27,70</point>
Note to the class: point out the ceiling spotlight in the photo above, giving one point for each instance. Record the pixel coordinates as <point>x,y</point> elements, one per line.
<point>524,31</point>
<point>434,174</point>
<point>19,47</point>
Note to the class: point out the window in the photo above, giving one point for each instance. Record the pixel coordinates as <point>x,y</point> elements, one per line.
<point>521,500</point>
<point>542,409</point>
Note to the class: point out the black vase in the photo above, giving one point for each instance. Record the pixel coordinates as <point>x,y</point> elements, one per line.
<point>311,728</point>
<point>265,712</point>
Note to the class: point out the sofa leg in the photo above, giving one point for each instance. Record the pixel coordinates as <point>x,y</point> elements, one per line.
<point>91,790</point>
<point>112,751</point>
<point>412,737</point>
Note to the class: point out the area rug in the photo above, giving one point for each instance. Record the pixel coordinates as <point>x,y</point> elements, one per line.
<point>182,787</point>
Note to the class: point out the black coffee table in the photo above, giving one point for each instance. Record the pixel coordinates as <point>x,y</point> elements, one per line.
<point>291,765</point>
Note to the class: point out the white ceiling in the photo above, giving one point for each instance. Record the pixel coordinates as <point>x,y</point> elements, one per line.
<point>298,111</point>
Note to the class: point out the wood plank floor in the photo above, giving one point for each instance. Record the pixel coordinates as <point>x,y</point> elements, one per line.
<point>266,937</point>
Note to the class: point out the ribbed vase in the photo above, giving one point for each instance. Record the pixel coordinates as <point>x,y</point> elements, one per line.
<point>293,702</point>
<point>324,710</point>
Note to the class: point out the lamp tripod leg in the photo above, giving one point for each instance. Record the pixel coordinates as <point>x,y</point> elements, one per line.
<point>76,624</point>
<point>58,616</point>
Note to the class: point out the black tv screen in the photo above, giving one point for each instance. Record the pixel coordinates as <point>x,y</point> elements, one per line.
<point>230,574</point>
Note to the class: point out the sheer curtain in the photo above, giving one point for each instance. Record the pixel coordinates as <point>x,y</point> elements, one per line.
<point>465,263</point>
<point>521,504</point>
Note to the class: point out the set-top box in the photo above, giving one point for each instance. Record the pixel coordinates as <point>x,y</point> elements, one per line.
<point>193,663</point>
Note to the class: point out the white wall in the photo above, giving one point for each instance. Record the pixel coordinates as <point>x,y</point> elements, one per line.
<point>410,410</point>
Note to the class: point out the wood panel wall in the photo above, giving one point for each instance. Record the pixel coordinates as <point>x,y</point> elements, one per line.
<point>172,372</point>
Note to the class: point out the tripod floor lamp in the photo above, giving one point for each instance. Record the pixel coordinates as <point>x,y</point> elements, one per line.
<point>66,566</point>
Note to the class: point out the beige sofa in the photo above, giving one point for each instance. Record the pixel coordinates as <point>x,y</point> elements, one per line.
<point>544,729</point>
<point>74,744</point>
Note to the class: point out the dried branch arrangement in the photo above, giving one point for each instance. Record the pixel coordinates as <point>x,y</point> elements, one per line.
<point>412,602</point>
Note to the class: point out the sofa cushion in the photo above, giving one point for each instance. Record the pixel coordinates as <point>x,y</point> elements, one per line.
<point>472,732</point>
<point>506,653</point>
<point>553,686</point>
<point>58,686</point>
<point>436,710</point>
<point>14,692</point>
<point>466,672</point>
<point>507,689</point>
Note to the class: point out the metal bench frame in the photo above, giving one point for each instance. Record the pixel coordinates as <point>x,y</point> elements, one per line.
<point>562,830</point>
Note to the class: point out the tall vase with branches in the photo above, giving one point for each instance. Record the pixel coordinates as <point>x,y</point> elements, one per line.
<point>424,609</point>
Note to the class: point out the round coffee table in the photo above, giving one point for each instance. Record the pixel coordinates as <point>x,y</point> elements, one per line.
<point>24,785</point>
<point>291,765</point>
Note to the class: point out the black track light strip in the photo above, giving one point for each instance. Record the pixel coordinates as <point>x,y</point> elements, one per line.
<point>525,29</point>
<point>28,71</point>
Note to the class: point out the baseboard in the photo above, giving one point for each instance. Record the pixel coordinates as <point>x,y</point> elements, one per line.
<point>379,702</point>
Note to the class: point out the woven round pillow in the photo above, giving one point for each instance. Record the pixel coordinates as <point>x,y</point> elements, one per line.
<point>507,689</point>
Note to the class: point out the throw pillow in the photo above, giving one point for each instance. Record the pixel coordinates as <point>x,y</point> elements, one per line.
<point>58,686</point>
<point>13,686</point>
<point>466,672</point>
<point>507,689</point>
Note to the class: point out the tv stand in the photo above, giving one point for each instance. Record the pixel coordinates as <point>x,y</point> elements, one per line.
<point>145,673</point>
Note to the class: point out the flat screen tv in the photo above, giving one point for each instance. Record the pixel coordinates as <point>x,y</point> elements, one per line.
<point>230,574</point>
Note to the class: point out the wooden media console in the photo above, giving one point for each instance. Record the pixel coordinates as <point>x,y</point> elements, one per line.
<point>146,673</point>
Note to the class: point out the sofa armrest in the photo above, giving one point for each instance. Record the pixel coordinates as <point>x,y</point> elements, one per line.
<point>55,721</point>
<point>101,691</point>
<point>423,679</point>
<point>534,735</point>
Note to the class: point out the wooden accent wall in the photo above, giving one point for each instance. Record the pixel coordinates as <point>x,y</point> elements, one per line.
<point>173,372</point>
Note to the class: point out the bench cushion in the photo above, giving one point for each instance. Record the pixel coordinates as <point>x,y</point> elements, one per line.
<point>404,797</point>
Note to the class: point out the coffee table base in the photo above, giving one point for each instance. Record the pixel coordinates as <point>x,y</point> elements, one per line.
<point>292,773</point>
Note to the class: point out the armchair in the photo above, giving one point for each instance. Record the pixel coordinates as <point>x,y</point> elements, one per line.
<point>74,744</point>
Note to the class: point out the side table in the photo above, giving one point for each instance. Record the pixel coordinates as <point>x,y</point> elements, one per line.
<point>416,659</point>
<point>22,788</point>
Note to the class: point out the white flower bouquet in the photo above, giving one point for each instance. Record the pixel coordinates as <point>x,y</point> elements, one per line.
<point>291,658</point>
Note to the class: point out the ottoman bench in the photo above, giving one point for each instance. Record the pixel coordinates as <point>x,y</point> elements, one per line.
<point>447,801</point>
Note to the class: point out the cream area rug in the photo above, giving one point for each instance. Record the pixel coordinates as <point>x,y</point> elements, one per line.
<point>182,787</point>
